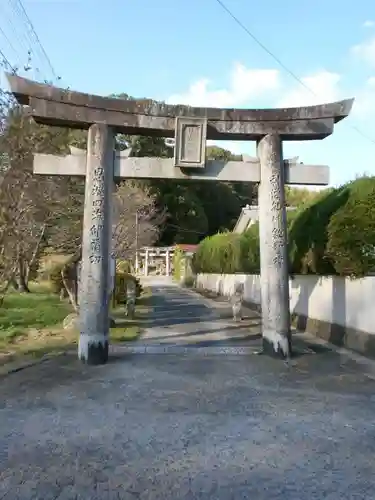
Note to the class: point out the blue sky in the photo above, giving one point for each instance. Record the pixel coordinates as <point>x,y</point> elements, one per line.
<point>191,51</point>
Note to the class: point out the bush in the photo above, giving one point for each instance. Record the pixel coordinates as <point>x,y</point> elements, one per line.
<point>121,279</point>
<point>332,234</point>
<point>307,233</point>
<point>250,250</point>
<point>124,266</point>
<point>178,256</point>
<point>308,236</point>
<point>121,283</point>
<point>189,281</point>
<point>228,253</point>
<point>220,253</point>
<point>351,231</point>
<point>54,273</point>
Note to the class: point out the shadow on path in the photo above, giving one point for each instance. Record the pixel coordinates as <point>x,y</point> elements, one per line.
<point>181,317</point>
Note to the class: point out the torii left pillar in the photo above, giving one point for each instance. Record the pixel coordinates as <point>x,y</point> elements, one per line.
<point>96,245</point>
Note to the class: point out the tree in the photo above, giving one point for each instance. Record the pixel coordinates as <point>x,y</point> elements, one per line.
<point>136,222</point>
<point>44,214</point>
<point>29,205</point>
<point>296,197</point>
<point>193,210</point>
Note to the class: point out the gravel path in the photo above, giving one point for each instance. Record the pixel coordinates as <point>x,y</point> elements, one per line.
<point>187,426</point>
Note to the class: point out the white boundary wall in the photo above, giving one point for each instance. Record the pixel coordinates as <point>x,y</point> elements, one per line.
<point>335,300</point>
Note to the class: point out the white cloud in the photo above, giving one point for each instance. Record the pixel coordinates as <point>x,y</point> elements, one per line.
<point>368,24</point>
<point>323,85</point>
<point>248,85</point>
<point>364,104</point>
<point>365,51</point>
<point>245,85</point>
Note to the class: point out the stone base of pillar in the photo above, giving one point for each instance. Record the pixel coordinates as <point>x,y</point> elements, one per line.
<point>93,349</point>
<point>277,345</point>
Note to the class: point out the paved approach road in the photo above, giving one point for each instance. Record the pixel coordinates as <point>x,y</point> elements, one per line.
<point>189,426</point>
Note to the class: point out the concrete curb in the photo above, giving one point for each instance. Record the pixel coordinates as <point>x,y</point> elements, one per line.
<point>187,350</point>
<point>9,368</point>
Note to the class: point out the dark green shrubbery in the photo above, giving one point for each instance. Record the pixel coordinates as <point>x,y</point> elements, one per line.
<point>178,258</point>
<point>121,284</point>
<point>351,230</point>
<point>228,253</point>
<point>308,236</point>
<point>220,253</point>
<point>250,255</point>
<point>332,234</point>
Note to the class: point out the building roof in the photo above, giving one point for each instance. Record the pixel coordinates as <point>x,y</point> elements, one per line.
<point>248,216</point>
<point>187,247</point>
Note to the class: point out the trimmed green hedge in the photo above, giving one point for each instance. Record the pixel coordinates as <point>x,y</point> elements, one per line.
<point>221,253</point>
<point>228,253</point>
<point>333,234</point>
<point>351,230</point>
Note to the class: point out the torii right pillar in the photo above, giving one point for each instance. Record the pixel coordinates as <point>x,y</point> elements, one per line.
<point>274,265</point>
<point>273,243</point>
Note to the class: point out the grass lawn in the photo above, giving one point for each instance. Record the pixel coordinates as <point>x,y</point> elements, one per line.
<point>31,325</point>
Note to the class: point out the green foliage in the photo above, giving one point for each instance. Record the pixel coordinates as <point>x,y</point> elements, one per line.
<point>21,312</point>
<point>189,281</point>
<point>220,253</point>
<point>351,231</point>
<point>121,283</point>
<point>228,253</point>
<point>178,257</point>
<point>330,233</point>
<point>308,235</point>
<point>194,209</point>
<point>124,266</point>
<point>250,251</point>
<point>54,275</point>
<point>186,221</point>
<point>296,196</point>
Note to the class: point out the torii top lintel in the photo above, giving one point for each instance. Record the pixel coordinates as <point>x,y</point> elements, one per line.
<point>55,106</point>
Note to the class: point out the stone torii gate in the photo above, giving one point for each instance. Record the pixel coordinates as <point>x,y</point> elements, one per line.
<point>190,126</point>
<point>166,253</point>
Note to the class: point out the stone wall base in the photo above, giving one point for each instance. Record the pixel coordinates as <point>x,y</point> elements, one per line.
<point>338,335</point>
<point>341,336</point>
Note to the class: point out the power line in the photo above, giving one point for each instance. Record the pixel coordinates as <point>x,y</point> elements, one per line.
<point>14,29</point>
<point>23,40</point>
<point>279,62</point>
<point>39,43</point>
<point>6,62</point>
<point>9,42</point>
<point>184,230</point>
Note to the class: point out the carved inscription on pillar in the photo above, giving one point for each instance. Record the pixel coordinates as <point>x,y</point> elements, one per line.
<point>190,147</point>
<point>97,215</point>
